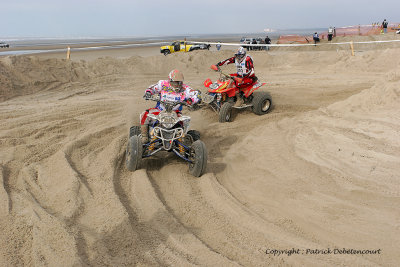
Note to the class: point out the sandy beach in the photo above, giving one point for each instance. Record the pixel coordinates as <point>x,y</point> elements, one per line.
<point>319,175</point>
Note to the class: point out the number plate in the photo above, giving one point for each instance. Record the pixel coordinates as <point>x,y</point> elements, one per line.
<point>170,97</point>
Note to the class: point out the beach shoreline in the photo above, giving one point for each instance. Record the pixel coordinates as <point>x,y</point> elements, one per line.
<point>90,50</point>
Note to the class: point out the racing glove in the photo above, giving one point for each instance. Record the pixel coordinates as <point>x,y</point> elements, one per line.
<point>215,67</point>
<point>147,95</point>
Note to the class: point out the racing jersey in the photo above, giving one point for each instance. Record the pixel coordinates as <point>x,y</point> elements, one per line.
<point>163,87</point>
<point>245,68</point>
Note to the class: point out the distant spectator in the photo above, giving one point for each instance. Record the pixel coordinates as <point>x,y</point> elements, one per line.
<point>253,42</point>
<point>316,38</point>
<point>384,26</point>
<point>267,41</point>
<point>330,34</point>
<point>334,31</point>
<point>259,41</point>
<point>218,46</point>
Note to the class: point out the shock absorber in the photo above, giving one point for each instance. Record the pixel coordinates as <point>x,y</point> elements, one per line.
<point>153,144</point>
<point>180,147</point>
<point>218,97</point>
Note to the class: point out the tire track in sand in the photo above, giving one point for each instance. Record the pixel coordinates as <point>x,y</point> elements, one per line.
<point>149,216</point>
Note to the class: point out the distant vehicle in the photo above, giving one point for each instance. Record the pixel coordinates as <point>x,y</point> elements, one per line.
<point>4,45</point>
<point>182,46</point>
<point>259,41</point>
<point>201,46</point>
<point>246,40</point>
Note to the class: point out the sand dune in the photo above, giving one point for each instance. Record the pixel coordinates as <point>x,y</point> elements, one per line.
<point>320,171</point>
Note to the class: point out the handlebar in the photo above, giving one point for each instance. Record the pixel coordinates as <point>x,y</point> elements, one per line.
<point>156,98</point>
<point>235,79</point>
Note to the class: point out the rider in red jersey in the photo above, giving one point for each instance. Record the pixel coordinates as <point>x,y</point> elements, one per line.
<point>245,71</point>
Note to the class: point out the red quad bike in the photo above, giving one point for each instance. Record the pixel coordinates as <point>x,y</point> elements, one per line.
<point>221,96</point>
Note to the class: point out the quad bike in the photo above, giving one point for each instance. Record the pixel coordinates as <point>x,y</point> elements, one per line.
<point>167,132</point>
<point>221,96</point>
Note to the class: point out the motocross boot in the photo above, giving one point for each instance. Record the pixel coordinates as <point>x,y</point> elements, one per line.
<point>145,133</point>
<point>239,100</point>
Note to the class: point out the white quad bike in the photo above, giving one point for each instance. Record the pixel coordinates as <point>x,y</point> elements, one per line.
<point>167,132</point>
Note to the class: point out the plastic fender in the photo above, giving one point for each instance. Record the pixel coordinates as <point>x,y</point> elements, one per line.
<point>249,90</point>
<point>232,92</point>
<point>221,88</point>
<point>207,83</point>
<point>224,88</point>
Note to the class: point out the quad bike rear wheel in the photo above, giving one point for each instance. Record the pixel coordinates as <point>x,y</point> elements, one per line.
<point>262,103</point>
<point>198,156</point>
<point>225,113</point>
<point>134,151</point>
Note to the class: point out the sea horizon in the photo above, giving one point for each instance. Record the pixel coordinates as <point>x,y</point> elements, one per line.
<point>95,38</point>
<point>24,45</point>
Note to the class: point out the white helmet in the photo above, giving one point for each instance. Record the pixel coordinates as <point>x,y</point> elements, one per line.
<point>240,54</point>
<point>176,80</point>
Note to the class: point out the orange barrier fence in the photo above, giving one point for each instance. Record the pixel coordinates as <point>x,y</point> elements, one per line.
<point>294,39</point>
<point>344,31</point>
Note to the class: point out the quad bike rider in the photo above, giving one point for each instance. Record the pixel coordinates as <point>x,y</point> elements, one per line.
<point>175,85</point>
<point>245,72</point>
<point>164,128</point>
<point>239,87</point>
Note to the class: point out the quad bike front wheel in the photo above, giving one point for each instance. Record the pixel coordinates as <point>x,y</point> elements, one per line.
<point>191,137</point>
<point>225,113</point>
<point>194,134</point>
<point>198,156</point>
<point>262,103</point>
<point>134,130</point>
<point>134,151</point>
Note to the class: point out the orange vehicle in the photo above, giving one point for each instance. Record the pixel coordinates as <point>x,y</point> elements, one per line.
<point>221,96</point>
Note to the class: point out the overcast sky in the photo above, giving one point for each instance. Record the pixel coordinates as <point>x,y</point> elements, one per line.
<point>95,18</point>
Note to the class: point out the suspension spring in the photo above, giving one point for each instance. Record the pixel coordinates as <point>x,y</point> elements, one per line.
<point>180,147</point>
<point>153,144</point>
